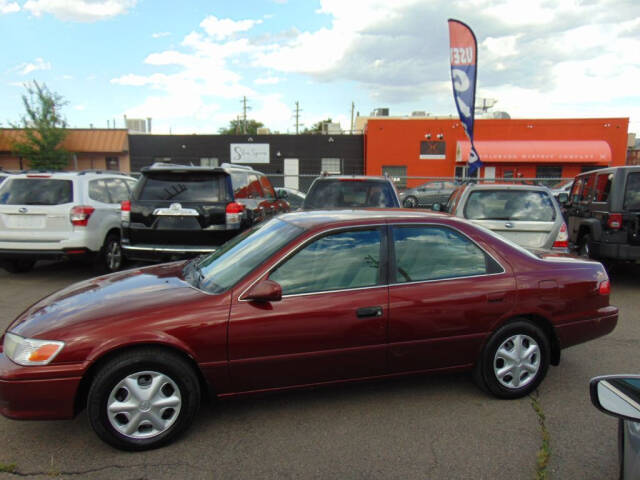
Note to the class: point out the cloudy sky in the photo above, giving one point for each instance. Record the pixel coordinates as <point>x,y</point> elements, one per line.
<point>188,64</point>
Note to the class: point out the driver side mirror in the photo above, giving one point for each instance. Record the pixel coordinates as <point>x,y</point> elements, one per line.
<point>617,395</point>
<point>282,194</point>
<point>436,207</point>
<point>563,198</point>
<point>264,291</point>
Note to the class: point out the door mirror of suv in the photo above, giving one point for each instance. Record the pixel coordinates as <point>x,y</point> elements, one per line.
<point>617,395</point>
<point>282,194</point>
<point>436,207</point>
<point>563,198</point>
<point>264,291</point>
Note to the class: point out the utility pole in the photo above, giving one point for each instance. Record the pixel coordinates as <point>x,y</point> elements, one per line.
<point>297,117</point>
<point>244,115</point>
<point>353,106</point>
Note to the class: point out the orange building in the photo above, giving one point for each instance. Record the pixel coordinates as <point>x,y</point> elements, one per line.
<point>101,149</point>
<point>541,148</point>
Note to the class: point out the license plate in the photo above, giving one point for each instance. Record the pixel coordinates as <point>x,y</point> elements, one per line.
<point>25,221</point>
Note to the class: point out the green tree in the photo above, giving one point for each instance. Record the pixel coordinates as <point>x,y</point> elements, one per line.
<point>44,129</point>
<point>236,127</point>
<point>316,127</point>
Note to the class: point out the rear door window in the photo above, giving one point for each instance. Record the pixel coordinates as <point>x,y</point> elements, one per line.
<point>36,191</point>
<point>603,187</point>
<point>522,205</point>
<point>269,193</point>
<point>632,192</point>
<point>182,187</point>
<point>98,191</point>
<point>117,189</point>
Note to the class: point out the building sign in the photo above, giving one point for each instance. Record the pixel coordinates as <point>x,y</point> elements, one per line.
<point>432,150</point>
<point>249,153</point>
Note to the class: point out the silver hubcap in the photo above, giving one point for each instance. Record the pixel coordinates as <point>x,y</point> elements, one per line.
<point>114,256</point>
<point>144,405</point>
<point>410,202</point>
<point>517,361</point>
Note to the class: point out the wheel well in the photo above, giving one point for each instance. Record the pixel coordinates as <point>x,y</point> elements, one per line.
<point>90,374</point>
<point>584,230</point>
<point>113,231</point>
<point>546,326</point>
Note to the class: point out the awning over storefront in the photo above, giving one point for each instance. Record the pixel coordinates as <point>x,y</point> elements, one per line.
<point>538,151</point>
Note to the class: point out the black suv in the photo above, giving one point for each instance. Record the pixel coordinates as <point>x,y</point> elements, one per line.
<point>355,191</point>
<point>178,211</point>
<point>603,213</point>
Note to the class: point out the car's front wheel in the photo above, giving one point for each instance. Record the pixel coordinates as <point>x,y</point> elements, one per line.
<point>410,202</point>
<point>514,361</point>
<point>143,399</point>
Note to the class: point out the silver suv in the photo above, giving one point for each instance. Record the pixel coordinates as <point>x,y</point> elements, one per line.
<point>52,215</point>
<point>528,215</point>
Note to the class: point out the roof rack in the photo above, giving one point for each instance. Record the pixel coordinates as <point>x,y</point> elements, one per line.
<point>232,165</point>
<point>112,172</point>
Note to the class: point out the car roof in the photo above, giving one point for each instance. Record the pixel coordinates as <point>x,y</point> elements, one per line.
<point>69,174</point>
<point>505,186</point>
<point>173,167</point>
<point>315,218</point>
<point>354,177</point>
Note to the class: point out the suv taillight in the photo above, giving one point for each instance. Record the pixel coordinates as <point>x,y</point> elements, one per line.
<point>125,211</point>
<point>562,240</point>
<point>80,214</point>
<point>234,214</point>
<point>614,221</point>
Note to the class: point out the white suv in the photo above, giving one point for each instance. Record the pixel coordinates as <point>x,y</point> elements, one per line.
<point>50,215</point>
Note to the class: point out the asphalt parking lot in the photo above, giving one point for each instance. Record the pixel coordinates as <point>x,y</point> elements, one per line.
<point>427,427</point>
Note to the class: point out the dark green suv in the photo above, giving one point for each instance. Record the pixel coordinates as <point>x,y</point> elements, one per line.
<point>603,213</point>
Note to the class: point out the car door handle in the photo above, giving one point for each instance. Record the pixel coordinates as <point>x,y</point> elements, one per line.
<point>495,297</point>
<point>369,312</point>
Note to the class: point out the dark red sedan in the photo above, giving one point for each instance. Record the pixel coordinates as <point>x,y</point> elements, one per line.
<point>308,298</point>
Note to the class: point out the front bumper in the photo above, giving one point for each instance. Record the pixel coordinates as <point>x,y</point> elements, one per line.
<point>37,393</point>
<point>18,254</point>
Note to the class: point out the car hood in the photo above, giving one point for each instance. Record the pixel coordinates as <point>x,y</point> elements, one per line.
<point>104,297</point>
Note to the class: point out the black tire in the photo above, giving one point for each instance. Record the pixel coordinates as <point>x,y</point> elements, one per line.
<point>529,371</point>
<point>17,266</point>
<point>410,202</point>
<point>583,248</point>
<point>111,257</point>
<point>175,382</point>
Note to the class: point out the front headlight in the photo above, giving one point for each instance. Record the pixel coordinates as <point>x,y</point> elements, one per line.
<point>30,351</point>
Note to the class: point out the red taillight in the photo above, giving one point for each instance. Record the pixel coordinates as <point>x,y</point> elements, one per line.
<point>31,175</point>
<point>234,214</point>
<point>125,211</point>
<point>562,240</point>
<point>604,288</point>
<point>614,221</point>
<point>80,215</point>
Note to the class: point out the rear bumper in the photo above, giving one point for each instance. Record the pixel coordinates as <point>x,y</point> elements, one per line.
<point>574,333</point>
<point>10,254</point>
<point>43,396</point>
<point>146,252</point>
<point>617,251</point>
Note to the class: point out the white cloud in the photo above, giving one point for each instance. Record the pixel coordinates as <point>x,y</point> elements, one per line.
<point>80,10</point>
<point>221,28</point>
<point>266,80</point>
<point>29,67</point>
<point>8,7</point>
<point>160,34</point>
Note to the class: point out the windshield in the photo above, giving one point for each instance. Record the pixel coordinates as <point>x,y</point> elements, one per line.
<point>36,191</point>
<point>632,192</point>
<point>222,269</point>
<point>184,187</point>
<point>522,205</point>
<point>349,193</point>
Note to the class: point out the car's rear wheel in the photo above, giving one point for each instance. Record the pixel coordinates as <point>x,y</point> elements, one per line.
<point>410,202</point>
<point>112,258</point>
<point>514,361</point>
<point>17,266</point>
<point>143,399</point>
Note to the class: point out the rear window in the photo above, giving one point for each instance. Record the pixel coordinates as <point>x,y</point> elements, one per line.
<point>36,191</point>
<point>632,192</point>
<point>349,194</point>
<point>519,205</point>
<point>182,187</point>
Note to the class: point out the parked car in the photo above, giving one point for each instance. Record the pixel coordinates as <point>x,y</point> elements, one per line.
<point>307,298</point>
<point>295,198</point>
<point>619,395</point>
<point>52,215</point>
<point>603,213</point>
<point>427,194</point>
<point>353,191</point>
<point>526,214</point>
<point>178,211</point>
